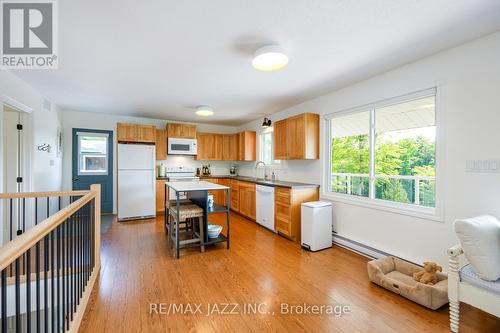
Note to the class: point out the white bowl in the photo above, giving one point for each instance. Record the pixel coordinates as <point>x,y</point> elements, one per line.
<point>214,230</point>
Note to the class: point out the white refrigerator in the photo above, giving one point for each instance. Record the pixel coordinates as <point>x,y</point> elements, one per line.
<point>136,181</point>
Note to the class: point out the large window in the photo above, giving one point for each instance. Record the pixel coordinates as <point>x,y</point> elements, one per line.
<point>387,151</point>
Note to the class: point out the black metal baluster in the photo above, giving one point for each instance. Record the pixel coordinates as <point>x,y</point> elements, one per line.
<point>80,266</point>
<point>4,300</point>
<point>45,283</point>
<point>63,264</point>
<point>73,268</point>
<point>58,274</point>
<point>18,296</point>
<point>10,230</point>
<point>24,230</point>
<point>47,276</point>
<point>68,277</point>
<point>28,290</point>
<point>87,266</point>
<point>37,268</point>
<point>92,235</point>
<point>52,282</point>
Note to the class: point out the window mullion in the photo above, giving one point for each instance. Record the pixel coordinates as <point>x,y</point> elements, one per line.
<point>371,192</point>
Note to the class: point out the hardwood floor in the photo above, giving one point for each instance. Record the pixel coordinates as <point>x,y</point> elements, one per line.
<point>138,270</point>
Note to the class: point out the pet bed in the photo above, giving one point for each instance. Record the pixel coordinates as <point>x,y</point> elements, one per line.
<point>396,275</point>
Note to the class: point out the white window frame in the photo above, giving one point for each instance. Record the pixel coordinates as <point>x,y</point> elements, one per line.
<point>261,145</point>
<point>428,213</point>
<point>92,173</point>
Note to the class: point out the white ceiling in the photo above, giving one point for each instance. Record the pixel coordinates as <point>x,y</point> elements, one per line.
<point>162,58</point>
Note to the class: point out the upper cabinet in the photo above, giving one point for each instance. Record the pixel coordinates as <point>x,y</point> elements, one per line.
<point>161,145</point>
<point>186,131</point>
<point>297,138</point>
<point>246,146</point>
<point>230,147</point>
<point>136,133</point>
<point>209,146</point>
<point>226,147</point>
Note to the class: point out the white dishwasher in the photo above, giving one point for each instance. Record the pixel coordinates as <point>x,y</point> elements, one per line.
<point>264,206</point>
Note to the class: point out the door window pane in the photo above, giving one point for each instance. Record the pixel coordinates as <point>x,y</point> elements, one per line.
<point>351,154</point>
<point>405,152</point>
<point>92,154</point>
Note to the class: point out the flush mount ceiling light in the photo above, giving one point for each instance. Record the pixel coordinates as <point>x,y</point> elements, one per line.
<point>204,111</point>
<point>266,123</point>
<point>269,58</point>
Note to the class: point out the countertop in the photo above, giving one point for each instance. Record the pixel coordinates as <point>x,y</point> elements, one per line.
<point>259,181</point>
<point>195,186</point>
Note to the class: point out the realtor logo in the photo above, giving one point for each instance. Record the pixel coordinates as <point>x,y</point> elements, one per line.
<point>29,38</point>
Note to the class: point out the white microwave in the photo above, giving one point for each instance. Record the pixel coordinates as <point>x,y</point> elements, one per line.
<point>178,146</point>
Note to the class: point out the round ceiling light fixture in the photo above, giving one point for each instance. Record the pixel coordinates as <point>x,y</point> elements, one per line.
<point>204,111</point>
<point>269,58</point>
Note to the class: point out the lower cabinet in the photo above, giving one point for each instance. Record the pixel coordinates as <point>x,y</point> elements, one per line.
<point>247,199</point>
<point>160,196</point>
<point>287,204</point>
<point>235,195</point>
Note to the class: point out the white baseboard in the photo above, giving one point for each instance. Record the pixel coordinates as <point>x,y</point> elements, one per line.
<point>359,248</point>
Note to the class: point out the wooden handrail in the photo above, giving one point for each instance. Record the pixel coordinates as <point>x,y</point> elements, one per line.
<point>42,194</point>
<point>12,250</point>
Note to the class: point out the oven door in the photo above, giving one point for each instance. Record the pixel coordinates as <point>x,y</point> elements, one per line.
<point>182,146</point>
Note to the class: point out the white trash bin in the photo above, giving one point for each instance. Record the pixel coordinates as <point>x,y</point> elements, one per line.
<point>316,225</point>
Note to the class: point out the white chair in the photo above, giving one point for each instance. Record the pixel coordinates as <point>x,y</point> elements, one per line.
<point>465,286</point>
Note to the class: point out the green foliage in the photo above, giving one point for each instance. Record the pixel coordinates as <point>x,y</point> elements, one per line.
<point>351,154</point>
<point>405,157</point>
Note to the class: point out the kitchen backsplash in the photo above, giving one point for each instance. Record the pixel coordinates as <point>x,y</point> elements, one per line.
<point>217,167</point>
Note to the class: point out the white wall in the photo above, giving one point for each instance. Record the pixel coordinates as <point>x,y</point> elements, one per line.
<point>41,128</point>
<point>468,77</point>
<point>75,119</point>
<point>43,170</point>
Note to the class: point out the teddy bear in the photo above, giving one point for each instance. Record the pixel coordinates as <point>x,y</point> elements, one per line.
<point>428,275</point>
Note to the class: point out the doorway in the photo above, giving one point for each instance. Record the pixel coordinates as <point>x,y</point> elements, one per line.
<point>14,167</point>
<point>92,163</point>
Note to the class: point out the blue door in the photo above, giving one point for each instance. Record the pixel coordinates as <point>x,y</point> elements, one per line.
<point>93,163</point>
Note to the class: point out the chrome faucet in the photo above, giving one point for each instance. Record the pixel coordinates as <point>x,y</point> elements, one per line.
<point>266,176</point>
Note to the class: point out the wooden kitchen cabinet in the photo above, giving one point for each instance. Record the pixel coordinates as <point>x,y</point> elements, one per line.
<point>280,140</point>
<point>297,138</point>
<point>235,195</point>
<point>287,204</point>
<point>209,147</point>
<point>136,133</point>
<point>160,196</point>
<point>186,131</point>
<point>223,196</point>
<point>246,146</point>
<point>247,199</point>
<point>219,195</point>
<point>161,145</point>
<point>230,147</point>
<point>126,132</point>
<point>146,133</point>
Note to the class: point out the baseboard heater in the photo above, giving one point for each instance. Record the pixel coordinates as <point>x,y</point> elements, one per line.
<point>359,248</point>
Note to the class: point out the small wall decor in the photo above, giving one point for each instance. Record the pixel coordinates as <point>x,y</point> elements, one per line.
<point>59,142</point>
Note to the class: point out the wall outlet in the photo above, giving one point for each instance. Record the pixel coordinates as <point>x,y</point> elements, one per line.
<point>482,166</point>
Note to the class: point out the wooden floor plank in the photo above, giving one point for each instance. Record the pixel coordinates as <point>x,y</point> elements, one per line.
<point>138,269</point>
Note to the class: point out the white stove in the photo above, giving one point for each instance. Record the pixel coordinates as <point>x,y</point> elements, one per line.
<point>180,174</point>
